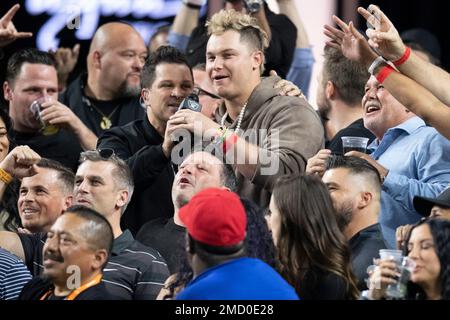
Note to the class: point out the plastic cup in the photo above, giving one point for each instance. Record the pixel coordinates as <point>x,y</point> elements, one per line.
<point>388,254</point>
<point>36,108</point>
<point>398,290</point>
<point>354,144</point>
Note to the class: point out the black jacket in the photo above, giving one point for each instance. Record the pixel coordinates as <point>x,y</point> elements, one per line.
<point>140,145</point>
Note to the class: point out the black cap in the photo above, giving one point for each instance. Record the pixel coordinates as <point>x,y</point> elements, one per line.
<point>424,205</point>
<point>425,39</point>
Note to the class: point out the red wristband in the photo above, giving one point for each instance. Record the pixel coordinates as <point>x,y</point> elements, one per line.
<point>229,142</point>
<point>384,73</point>
<point>404,57</point>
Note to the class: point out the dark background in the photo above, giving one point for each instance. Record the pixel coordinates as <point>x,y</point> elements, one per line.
<point>26,22</point>
<point>432,15</point>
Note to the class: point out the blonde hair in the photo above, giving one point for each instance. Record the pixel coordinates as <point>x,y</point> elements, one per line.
<point>245,25</point>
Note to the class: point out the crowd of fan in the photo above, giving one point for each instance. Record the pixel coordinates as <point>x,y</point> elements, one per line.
<point>109,190</point>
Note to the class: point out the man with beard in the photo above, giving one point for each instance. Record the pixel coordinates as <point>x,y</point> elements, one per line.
<point>75,252</point>
<point>355,189</point>
<point>108,95</point>
<point>339,94</point>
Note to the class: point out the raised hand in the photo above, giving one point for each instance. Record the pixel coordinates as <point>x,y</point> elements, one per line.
<point>66,59</point>
<point>383,36</point>
<point>316,164</point>
<point>352,44</point>
<point>21,162</point>
<point>384,274</point>
<point>8,32</point>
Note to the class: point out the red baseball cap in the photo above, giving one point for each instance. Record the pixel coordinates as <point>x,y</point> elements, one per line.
<point>215,217</point>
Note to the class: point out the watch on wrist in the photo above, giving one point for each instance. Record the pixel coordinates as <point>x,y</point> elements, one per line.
<point>253,6</point>
<point>379,60</point>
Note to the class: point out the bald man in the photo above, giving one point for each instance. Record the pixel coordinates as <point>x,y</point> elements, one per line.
<point>108,95</point>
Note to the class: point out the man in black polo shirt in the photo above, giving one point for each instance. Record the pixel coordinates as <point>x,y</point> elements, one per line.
<point>103,182</point>
<point>108,95</point>
<point>355,188</point>
<point>51,129</point>
<point>76,251</point>
<point>134,271</point>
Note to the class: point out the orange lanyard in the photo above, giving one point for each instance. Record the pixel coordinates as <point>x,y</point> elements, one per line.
<point>77,291</point>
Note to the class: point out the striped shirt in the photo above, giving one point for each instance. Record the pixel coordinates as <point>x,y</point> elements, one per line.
<point>133,272</point>
<point>13,275</point>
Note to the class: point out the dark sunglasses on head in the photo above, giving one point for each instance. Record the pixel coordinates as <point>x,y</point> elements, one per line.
<point>199,91</point>
<point>106,153</point>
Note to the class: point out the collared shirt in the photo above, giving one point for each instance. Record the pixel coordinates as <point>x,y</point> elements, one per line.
<point>133,272</point>
<point>418,160</point>
<point>364,247</point>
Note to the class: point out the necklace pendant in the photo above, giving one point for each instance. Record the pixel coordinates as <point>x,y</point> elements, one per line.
<point>105,123</point>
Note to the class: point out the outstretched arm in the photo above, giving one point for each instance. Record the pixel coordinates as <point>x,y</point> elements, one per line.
<point>412,95</point>
<point>185,21</point>
<point>385,38</point>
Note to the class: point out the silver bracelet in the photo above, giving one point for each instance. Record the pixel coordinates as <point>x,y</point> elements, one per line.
<point>379,60</point>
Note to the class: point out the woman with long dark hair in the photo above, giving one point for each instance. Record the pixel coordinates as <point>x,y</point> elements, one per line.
<point>428,245</point>
<point>313,253</point>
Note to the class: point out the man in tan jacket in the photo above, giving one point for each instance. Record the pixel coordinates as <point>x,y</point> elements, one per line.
<point>262,134</point>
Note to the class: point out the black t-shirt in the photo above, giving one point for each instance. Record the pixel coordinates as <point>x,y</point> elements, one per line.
<point>167,238</point>
<point>90,111</point>
<point>62,146</point>
<point>364,247</point>
<point>38,286</point>
<point>322,285</point>
<point>356,129</point>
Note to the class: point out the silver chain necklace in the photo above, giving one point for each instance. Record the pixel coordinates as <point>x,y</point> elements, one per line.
<point>239,121</point>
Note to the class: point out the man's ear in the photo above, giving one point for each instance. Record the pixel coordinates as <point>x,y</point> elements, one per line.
<point>67,202</point>
<point>123,198</point>
<point>330,90</point>
<point>100,258</point>
<point>258,59</point>
<point>97,59</point>
<point>365,198</point>
<point>145,95</point>
<point>7,91</point>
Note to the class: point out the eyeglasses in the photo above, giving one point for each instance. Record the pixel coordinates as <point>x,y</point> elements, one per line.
<point>106,153</point>
<point>200,92</point>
